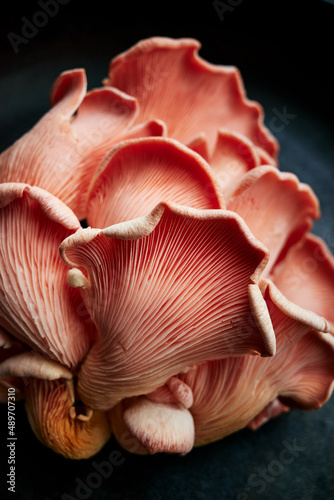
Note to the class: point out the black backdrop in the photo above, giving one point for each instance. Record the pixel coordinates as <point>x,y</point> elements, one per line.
<point>284,52</point>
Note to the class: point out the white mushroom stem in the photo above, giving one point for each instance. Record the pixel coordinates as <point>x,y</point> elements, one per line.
<point>32,364</point>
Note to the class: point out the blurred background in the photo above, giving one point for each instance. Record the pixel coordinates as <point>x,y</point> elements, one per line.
<point>284,51</point>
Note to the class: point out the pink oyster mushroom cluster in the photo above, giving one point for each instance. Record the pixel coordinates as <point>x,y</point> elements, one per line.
<point>159,280</point>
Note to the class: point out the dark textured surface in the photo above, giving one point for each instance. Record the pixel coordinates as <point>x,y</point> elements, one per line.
<point>284,56</point>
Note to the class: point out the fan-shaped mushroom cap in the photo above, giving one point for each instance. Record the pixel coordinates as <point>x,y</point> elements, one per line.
<point>61,152</point>
<point>233,156</point>
<point>37,306</point>
<point>259,199</point>
<point>306,277</point>
<point>170,81</point>
<point>165,291</point>
<point>243,389</point>
<point>137,174</point>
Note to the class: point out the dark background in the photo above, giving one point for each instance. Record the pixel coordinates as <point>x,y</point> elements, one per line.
<point>284,51</point>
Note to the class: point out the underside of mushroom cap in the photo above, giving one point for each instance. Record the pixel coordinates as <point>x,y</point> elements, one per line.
<point>59,422</point>
<point>233,156</point>
<point>37,305</point>
<point>165,291</point>
<point>305,276</point>
<point>243,389</point>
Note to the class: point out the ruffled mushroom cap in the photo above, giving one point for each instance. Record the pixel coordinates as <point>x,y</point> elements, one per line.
<point>60,423</point>
<point>139,173</point>
<point>156,331</point>
<point>61,152</point>
<point>38,307</point>
<point>165,291</point>
<point>45,329</point>
<point>233,156</point>
<point>245,391</point>
<point>170,80</point>
<point>306,277</point>
<point>259,198</point>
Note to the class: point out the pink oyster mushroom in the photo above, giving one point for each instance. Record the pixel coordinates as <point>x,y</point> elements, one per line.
<point>61,152</point>
<point>181,314</point>
<point>146,424</point>
<point>44,329</point>
<point>162,76</point>
<point>171,81</point>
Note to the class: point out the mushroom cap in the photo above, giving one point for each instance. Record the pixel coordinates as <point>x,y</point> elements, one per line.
<point>259,197</point>
<point>138,174</point>
<point>247,390</point>
<point>62,151</point>
<point>165,291</point>
<point>37,306</point>
<point>72,431</point>
<point>169,79</point>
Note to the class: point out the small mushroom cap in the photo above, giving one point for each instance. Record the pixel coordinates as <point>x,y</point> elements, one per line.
<point>272,410</point>
<point>9,347</point>
<point>233,156</point>
<point>144,426</point>
<point>173,391</point>
<point>32,364</point>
